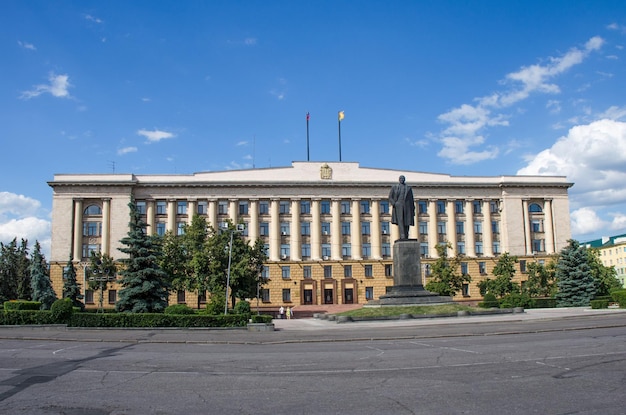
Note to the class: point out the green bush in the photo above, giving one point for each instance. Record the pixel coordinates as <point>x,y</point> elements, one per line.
<point>216,303</point>
<point>597,304</point>
<point>489,301</point>
<point>619,296</point>
<point>157,320</point>
<point>27,317</point>
<point>544,303</point>
<point>242,307</point>
<point>179,309</point>
<point>15,305</point>
<point>262,318</point>
<point>62,310</point>
<point>512,300</point>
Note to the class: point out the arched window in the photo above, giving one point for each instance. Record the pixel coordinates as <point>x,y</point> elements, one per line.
<point>535,208</point>
<point>92,210</point>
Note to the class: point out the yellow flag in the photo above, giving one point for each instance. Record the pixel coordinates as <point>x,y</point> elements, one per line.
<point>340,115</point>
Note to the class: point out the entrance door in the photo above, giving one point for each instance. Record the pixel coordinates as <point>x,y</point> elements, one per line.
<point>348,296</point>
<point>308,296</point>
<point>328,296</point>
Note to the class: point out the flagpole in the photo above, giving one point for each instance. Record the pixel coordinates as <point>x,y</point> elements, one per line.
<point>340,117</point>
<point>307,136</point>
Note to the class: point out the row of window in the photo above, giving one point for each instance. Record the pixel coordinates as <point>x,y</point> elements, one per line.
<point>328,271</point>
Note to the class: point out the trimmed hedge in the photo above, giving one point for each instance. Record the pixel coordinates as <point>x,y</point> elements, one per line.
<point>179,309</point>
<point>489,301</point>
<point>619,296</point>
<point>262,318</point>
<point>157,320</point>
<point>598,304</point>
<point>14,305</point>
<point>62,310</point>
<point>544,302</point>
<point>27,317</point>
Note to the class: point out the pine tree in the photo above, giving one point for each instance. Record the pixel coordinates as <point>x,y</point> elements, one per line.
<point>574,277</point>
<point>144,284</point>
<point>40,279</point>
<point>71,287</point>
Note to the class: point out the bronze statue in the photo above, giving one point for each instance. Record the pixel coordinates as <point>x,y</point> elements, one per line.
<point>403,213</point>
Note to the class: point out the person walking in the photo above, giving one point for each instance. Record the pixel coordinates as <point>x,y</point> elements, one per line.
<point>281,312</point>
<point>288,313</point>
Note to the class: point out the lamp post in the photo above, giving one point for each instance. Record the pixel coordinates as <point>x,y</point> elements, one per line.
<point>240,228</point>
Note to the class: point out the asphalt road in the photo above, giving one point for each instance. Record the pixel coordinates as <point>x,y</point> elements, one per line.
<point>573,365</point>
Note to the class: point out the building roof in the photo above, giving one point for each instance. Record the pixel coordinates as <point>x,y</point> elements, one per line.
<point>606,241</point>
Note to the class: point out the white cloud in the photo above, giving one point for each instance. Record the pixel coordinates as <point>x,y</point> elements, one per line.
<point>250,41</point>
<point>19,219</point>
<point>126,150</point>
<point>241,143</point>
<point>26,45</point>
<point>586,221</point>
<point>93,19</point>
<point>155,135</point>
<point>58,87</point>
<point>467,123</point>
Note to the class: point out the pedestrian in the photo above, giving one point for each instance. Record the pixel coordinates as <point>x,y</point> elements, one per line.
<point>281,312</point>
<point>288,313</point>
<point>291,311</point>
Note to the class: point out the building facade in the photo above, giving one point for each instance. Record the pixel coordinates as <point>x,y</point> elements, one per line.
<point>612,251</point>
<point>326,226</point>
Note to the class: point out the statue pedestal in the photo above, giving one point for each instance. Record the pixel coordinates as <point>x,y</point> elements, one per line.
<point>407,279</point>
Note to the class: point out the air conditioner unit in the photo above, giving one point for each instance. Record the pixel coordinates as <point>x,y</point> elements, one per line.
<point>283,233</point>
<point>384,232</point>
<point>325,232</point>
<point>283,257</point>
<point>325,258</point>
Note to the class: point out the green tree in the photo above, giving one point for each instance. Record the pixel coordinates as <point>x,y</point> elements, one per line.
<point>541,280</point>
<point>101,271</point>
<point>605,278</point>
<point>445,279</point>
<point>574,276</point>
<point>40,279</point>
<point>14,271</point>
<point>71,287</point>
<point>145,286</point>
<point>504,272</point>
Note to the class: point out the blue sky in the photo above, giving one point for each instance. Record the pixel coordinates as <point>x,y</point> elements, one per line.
<point>464,88</point>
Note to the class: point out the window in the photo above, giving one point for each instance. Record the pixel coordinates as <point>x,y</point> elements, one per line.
<point>89,248</point>
<point>203,208</point>
<point>325,207</point>
<point>478,227</point>
<point>326,250</point>
<point>265,272</point>
<point>328,271</point>
<point>482,269</point>
<point>286,271</point>
<point>369,271</point>
<point>92,210</point>
<point>365,206</point>
<point>265,295</point>
<point>538,245</point>
<point>346,250</point>
<point>181,208</point>
<point>441,207</point>
<point>495,226</point>
<point>112,296</point>
<point>366,250</point>
<point>284,228</point>
<point>460,248</point>
<point>161,207</point>
<point>243,208</point>
<point>365,228</point>
<point>441,228</point>
<point>422,207</point>
<point>306,271</point>
<point>463,268</point>
<point>141,207</point>
<point>92,228</point>
<point>494,206</point>
<point>388,270</point>
<point>305,228</point>
<point>345,207</point>
<point>384,207</point>
<point>283,207</point>
<point>465,290</point>
<point>423,228</point>
<point>522,266</point>
<point>384,227</point>
<point>427,270</point>
<point>496,247</point>
<point>284,251</point>
<point>477,206</point>
<point>325,228</point>
<point>385,249</point>
<point>264,207</point>
<point>266,249</point>
<point>534,208</point>
<point>460,227</point>
<point>347,271</point>
<point>180,228</point>
<point>160,228</point>
<point>88,296</point>
<point>535,225</point>
<point>459,206</point>
<point>264,229</point>
<point>369,293</point>
<point>180,297</point>
<point>222,207</point>
<point>424,249</point>
<point>479,248</point>
<point>286,295</point>
<point>305,207</point>
<point>306,250</point>
<point>345,228</point>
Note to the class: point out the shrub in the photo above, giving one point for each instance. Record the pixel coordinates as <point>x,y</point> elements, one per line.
<point>597,304</point>
<point>62,310</point>
<point>242,307</point>
<point>156,320</point>
<point>262,318</point>
<point>619,296</point>
<point>15,305</point>
<point>489,301</point>
<point>179,309</point>
<point>215,306</point>
<point>512,300</point>
<point>544,303</point>
<point>27,317</point>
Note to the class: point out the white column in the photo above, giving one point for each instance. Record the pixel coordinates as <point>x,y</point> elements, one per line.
<point>355,232</point>
<point>233,210</point>
<point>253,226</point>
<point>78,229</point>
<point>295,249</point>
<point>470,240</point>
<point>527,243</point>
<point>548,225</point>
<point>150,218</point>
<point>191,209</point>
<point>375,237</point>
<point>106,226</point>
<point>451,228</point>
<point>432,228</point>
<point>316,230</point>
<point>171,215</point>
<point>335,226</point>
<point>274,229</point>
<point>487,235</point>
<point>212,213</point>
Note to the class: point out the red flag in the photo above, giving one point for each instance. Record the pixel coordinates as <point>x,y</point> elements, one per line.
<point>307,116</point>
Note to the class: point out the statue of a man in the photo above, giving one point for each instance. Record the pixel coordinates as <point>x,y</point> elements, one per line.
<point>403,213</point>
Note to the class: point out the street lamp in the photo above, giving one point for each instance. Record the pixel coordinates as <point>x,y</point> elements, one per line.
<point>240,228</point>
